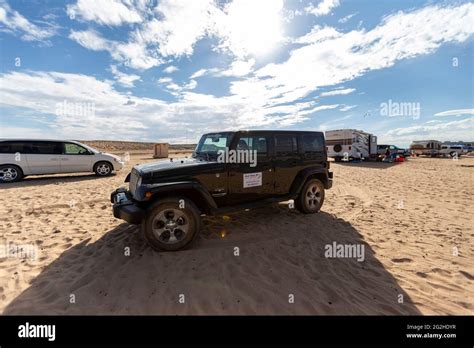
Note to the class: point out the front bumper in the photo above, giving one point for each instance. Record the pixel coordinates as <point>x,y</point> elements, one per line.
<point>118,165</point>
<point>125,208</point>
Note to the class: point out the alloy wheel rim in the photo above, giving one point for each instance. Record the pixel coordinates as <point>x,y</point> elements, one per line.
<point>313,196</point>
<point>103,169</point>
<point>8,174</point>
<point>170,226</point>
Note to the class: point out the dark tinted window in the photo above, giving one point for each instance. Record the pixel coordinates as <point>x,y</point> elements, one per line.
<point>313,143</point>
<point>13,147</point>
<point>285,145</point>
<point>253,143</point>
<point>45,148</point>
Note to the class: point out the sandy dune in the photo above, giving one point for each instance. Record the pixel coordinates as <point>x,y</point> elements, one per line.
<point>410,217</point>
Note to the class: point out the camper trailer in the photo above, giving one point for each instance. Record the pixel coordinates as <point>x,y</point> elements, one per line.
<point>348,144</point>
<point>426,147</point>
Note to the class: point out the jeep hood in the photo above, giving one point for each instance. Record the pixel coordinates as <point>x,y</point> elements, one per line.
<point>168,166</point>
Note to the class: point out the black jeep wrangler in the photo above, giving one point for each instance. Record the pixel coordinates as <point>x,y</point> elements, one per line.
<point>228,171</point>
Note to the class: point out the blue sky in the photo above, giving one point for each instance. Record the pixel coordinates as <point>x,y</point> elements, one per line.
<point>171,70</point>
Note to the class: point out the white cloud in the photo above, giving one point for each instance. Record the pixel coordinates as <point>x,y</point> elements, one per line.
<point>165,80</point>
<point>457,112</point>
<point>347,107</point>
<point>249,27</point>
<point>324,7</point>
<point>170,69</point>
<point>199,73</point>
<point>455,130</point>
<point>337,92</point>
<point>239,68</point>
<point>133,54</point>
<point>126,80</point>
<point>317,34</point>
<point>14,23</point>
<point>108,12</point>
<point>337,60</point>
<point>345,19</point>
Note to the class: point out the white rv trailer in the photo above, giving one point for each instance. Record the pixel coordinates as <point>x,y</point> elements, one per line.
<point>347,144</point>
<point>426,147</point>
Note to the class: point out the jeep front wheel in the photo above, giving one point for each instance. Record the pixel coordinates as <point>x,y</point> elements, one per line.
<point>311,198</point>
<point>171,224</point>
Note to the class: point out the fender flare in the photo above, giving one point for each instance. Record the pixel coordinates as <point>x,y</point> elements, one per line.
<point>156,189</point>
<point>304,174</point>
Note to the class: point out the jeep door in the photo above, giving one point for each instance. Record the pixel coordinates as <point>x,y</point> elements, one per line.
<point>287,161</point>
<point>43,157</point>
<point>75,158</point>
<point>252,180</point>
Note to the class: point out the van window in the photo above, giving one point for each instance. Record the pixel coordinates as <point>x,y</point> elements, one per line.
<point>285,145</point>
<point>45,148</point>
<point>74,149</point>
<point>13,147</point>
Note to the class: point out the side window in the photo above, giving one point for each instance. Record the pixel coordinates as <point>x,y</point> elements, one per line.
<point>258,144</point>
<point>74,149</point>
<point>313,144</point>
<point>286,145</point>
<point>13,147</point>
<point>46,148</point>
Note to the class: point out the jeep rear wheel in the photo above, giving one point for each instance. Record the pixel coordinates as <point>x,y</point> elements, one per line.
<point>172,224</point>
<point>311,198</point>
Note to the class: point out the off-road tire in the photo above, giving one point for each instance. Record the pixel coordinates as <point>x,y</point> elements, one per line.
<point>303,201</point>
<point>155,227</point>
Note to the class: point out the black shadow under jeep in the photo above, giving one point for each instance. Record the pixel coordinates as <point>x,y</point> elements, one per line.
<point>228,171</point>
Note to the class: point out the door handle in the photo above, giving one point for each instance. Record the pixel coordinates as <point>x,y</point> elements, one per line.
<point>54,159</point>
<point>64,159</point>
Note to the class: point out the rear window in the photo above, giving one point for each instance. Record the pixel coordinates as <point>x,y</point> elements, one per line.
<point>286,145</point>
<point>313,143</point>
<point>13,147</point>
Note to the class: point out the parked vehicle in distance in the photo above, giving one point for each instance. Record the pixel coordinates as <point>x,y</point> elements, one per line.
<point>348,144</point>
<point>452,150</point>
<point>168,198</point>
<point>22,157</point>
<point>425,147</point>
<point>381,149</point>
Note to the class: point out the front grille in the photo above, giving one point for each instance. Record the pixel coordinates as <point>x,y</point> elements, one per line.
<point>134,176</point>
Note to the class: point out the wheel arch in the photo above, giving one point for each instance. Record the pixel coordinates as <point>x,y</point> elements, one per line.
<point>190,190</point>
<point>303,176</point>
<point>100,161</point>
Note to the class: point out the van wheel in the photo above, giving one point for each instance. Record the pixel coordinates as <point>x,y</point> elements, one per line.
<point>453,154</point>
<point>103,168</point>
<point>171,224</point>
<point>10,173</point>
<point>311,198</point>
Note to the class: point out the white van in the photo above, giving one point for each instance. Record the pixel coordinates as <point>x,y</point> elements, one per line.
<point>452,150</point>
<point>19,158</point>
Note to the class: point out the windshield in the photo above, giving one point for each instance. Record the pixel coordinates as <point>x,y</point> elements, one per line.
<point>210,144</point>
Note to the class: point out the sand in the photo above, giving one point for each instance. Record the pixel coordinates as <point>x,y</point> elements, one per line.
<point>414,220</point>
